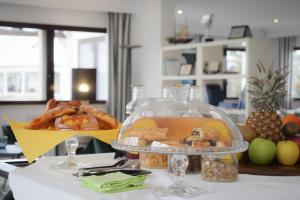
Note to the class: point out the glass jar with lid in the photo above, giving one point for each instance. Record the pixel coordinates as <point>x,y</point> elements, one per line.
<point>219,168</point>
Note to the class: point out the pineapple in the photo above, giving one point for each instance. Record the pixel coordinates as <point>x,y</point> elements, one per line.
<point>266,95</point>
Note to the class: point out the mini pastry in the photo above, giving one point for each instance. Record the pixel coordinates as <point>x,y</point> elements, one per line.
<point>171,142</point>
<point>85,122</point>
<point>105,120</point>
<point>204,138</point>
<point>135,141</point>
<point>44,121</point>
<point>149,134</point>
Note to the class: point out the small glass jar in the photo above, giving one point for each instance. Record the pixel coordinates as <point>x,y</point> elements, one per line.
<point>219,168</point>
<point>154,160</point>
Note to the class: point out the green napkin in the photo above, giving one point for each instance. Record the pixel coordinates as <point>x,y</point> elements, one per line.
<point>113,182</point>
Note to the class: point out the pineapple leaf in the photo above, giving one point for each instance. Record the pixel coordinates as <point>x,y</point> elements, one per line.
<point>268,90</point>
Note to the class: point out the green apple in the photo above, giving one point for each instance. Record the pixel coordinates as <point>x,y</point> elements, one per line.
<point>261,151</point>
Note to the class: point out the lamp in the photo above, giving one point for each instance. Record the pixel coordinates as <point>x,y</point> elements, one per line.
<point>84,84</point>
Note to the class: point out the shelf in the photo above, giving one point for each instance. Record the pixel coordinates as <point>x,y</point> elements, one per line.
<point>238,42</point>
<point>234,111</point>
<point>255,49</point>
<point>222,76</point>
<point>180,46</point>
<point>179,78</point>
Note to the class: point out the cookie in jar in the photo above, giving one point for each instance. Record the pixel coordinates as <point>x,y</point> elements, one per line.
<point>219,168</point>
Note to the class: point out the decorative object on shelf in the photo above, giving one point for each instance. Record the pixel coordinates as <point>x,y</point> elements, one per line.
<point>185,69</point>
<point>181,30</point>
<point>212,67</point>
<point>181,25</point>
<point>240,32</point>
<point>188,82</point>
<point>174,40</point>
<point>190,58</point>
<point>267,93</point>
<point>206,21</point>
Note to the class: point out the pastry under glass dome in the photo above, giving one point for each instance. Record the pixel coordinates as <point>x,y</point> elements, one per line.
<point>179,128</point>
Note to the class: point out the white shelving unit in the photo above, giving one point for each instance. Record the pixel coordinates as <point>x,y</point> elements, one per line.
<point>179,77</point>
<point>255,50</point>
<point>222,76</point>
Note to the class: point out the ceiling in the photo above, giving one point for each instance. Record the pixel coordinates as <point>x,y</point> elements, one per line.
<point>258,14</point>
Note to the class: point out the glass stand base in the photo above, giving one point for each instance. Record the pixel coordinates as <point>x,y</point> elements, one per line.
<point>67,164</point>
<point>179,189</point>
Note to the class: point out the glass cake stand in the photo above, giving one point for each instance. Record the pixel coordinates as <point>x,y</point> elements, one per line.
<point>179,163</point>
<point>184,121</point>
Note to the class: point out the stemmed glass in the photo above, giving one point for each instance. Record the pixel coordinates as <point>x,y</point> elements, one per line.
<point>71,163</point>
<point>179,163</point>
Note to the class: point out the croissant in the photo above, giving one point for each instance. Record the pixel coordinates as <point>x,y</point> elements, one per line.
<point>44,120</point>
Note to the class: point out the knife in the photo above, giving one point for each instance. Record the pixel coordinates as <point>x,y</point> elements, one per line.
<point>133,172</point>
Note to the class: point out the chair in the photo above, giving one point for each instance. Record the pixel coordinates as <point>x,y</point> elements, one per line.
<point>95,146</point>
<point>11,139</point>
<point>215,94</point>
<point>102,147</point>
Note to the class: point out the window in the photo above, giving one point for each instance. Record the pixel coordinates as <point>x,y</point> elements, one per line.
<point>36,61</point>
<point>77,49</point>
<point>296,74</point>
<point>21,64</point>
<point>235,64</point>
<point>235,60</point>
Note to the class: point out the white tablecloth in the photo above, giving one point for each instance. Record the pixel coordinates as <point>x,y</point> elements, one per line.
<point>38,181</point>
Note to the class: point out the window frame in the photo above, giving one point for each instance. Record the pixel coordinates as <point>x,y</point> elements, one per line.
<point>49,45</point>
<point>295,49</point>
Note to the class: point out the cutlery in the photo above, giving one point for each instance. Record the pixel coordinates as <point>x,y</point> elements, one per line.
<point>131,164</point>
<point>117,164</point>
<point>133,172</point>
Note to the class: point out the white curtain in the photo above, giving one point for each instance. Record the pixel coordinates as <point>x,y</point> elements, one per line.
<point>286,47</point>
<point>119,63</point>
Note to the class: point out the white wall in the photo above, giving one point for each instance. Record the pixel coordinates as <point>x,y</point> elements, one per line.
<point>30,14</point>
<point>147,33</point>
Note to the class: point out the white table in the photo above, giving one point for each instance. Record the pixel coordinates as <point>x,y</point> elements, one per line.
<point>37,181</point>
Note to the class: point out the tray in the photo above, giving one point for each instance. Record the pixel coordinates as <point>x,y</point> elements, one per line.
<point>274,169</point>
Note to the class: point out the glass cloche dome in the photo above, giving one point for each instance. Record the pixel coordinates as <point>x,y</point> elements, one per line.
<point>183,127</point>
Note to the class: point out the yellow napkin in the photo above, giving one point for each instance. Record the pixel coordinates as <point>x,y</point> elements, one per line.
<point>35,143</point>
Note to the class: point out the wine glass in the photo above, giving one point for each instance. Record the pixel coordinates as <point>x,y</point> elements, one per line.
<point>71,163</point>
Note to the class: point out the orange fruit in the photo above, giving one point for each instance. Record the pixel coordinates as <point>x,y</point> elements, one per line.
<point>290,118</point>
